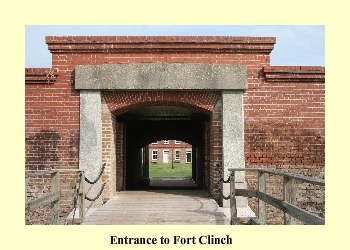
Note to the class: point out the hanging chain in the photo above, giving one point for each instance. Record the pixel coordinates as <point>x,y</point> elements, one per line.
<point>98,177</point>
<point>97,196</point>
<point>221,180</point>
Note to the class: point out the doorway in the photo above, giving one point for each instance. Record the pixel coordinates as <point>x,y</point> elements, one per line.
<point>166,156</point>
<point>146,126</point>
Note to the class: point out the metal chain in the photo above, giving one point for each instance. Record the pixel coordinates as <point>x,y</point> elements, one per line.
<point>227,181</point>
<point>223,181</point>
<point>221,178</point>
<point>222,195</point>
<point>98,177</point>
<point>98,195</point>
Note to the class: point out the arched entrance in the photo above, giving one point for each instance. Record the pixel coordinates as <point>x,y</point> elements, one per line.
<point>148,116</point>
<point>146,125</point>
<point>212,94</point>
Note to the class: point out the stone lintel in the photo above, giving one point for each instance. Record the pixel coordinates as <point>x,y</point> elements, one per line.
<point>164,76</point>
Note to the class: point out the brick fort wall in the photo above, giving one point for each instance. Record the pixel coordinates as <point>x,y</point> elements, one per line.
<point>284,112</point>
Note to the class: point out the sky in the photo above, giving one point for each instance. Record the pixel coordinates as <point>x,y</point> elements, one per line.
<point>296,45</point>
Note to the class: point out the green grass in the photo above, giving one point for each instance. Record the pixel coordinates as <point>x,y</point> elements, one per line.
<point>164,170</point>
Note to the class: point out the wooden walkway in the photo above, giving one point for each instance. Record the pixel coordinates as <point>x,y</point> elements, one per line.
<point>160,207</point>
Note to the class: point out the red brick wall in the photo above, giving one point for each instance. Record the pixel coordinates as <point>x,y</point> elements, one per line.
<point>285,131</point>
<point>120,155</point>
<point>51,121</point>
<point>108,152</point>
<point>52,137</point>
<point>215,149</point>
<point>112,153</point>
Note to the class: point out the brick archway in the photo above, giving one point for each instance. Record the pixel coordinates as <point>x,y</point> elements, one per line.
<point>124,101</point>
<point>123,104</point>
<point>212,89</point>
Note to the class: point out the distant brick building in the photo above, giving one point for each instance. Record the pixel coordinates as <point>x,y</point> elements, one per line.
<point>167,151</point>
<point>106,99</point>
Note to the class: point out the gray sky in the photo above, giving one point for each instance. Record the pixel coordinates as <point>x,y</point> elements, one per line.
<point>301,45</point>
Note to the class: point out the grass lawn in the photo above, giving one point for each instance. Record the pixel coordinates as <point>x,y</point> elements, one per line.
<point>164,170</point>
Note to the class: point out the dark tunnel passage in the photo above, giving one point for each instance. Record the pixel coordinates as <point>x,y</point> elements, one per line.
<point>144,126</point>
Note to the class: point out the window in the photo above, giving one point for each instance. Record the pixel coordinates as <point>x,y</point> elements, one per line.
<point>155,142</point>
<point>166,141</point>
<point>188,156</point>
<point>177,155</point>
<point>177,142</point>
<point>154,155</point>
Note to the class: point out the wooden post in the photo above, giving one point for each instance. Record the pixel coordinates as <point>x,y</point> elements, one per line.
<point>26,189</point>
<point>221,185</point>
<point>233,207</point>
<point>172,155</point>
<point>26,199</point>
<point>81,196</point>
<point>55,187</point>
<point>288,196</point>
<point>262,204</point>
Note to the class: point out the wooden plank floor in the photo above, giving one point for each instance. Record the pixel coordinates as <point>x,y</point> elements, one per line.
<point>166,207</point>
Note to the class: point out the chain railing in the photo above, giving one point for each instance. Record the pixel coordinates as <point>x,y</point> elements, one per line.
<point>98,177</point>
<point>220,184</point>
<point>52,197</point>
<point>79,193</point>
<point>94,182</point>
<point>98,195</point>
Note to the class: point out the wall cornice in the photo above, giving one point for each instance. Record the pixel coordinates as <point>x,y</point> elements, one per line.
<point>166,44</point>
<point>294,73</point>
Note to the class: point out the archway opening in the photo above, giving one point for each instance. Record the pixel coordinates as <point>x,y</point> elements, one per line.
<point>151,160</point>
<point>170,159</point>
<point>170,164</point>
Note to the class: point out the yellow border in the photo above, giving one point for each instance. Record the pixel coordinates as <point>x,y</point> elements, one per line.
<point>17,15</point>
